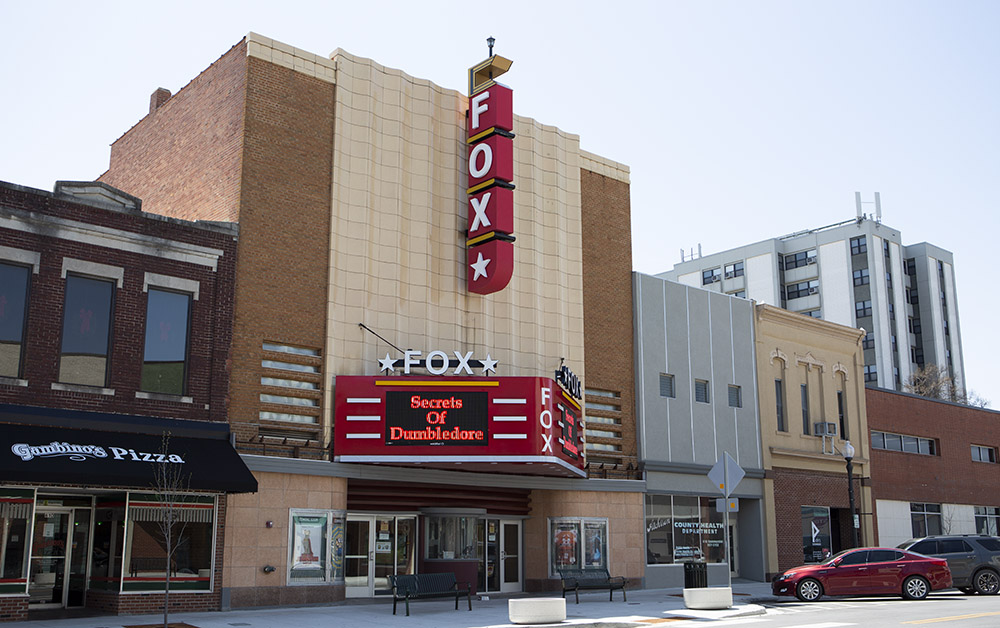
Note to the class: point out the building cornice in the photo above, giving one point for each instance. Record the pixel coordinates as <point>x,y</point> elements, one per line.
<point>771,314</point>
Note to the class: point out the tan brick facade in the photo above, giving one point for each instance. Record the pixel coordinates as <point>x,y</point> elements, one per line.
<point>350,194</point>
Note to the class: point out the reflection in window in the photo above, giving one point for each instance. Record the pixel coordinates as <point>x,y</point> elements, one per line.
<point>683,528</point>
<point>164,362</point>
<point>13,308</point>
<point>86,331</point>
<point>15,509</point>
<point>190,524</point>
<point>579,543</point>
<point>449,538</point>
<point>816,541</point>
<point>925,519</point>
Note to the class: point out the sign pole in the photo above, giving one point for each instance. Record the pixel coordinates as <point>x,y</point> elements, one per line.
<point>725,532</point>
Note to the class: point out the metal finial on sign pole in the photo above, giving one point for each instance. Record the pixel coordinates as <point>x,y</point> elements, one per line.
<point>489,42</point>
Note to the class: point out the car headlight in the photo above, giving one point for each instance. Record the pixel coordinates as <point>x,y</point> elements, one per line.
<point>786,576</point>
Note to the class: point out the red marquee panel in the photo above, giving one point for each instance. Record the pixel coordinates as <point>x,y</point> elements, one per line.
<point>525,425</point>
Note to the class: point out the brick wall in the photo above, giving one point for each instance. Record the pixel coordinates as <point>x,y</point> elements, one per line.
<point>794,488</point>
<point>211,315</point>
<point>607,300</point>
<point>13,608</point>
<point>949,477</point>
<point>284,225</point>
<point>184,159</point>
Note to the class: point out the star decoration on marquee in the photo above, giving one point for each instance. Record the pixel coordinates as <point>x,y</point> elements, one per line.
<point>489,364</point>
<point>388,364</point>
<point>480,267</point>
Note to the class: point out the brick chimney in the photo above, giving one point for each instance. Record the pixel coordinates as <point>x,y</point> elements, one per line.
<point>159,97</point>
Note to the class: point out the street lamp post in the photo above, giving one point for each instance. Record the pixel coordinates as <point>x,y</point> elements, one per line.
<point>849,456</point>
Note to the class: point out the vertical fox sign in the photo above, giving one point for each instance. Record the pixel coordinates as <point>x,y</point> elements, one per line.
<point>490,239</point>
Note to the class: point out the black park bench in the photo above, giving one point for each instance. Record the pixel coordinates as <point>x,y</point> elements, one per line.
<point>412,587</point>
<point>576,579</point>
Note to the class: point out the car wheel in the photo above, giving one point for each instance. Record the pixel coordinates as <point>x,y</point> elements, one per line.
<point>809,590</point>
<point>986,581</point>
<point>915,588</point>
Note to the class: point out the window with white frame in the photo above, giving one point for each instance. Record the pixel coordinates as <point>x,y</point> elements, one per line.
<point>734,270</point>
<point>925,519</point>
<point>982,453</point>
<point>987,520</point>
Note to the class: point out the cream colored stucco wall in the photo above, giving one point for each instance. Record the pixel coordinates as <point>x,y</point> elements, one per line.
<point>798,349</point>
<point>397,259</point>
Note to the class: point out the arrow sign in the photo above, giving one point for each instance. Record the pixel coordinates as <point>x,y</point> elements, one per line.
<point>726,474</point>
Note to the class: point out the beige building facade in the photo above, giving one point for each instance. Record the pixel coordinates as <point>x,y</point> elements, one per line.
<point>349,182</point>
<point>812,403</point>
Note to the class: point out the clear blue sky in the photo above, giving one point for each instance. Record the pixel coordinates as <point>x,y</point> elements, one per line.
<point>740,121</point>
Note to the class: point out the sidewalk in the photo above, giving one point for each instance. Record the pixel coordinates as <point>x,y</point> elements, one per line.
<point>594,611</point>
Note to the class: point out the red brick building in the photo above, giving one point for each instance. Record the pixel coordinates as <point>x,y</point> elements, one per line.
<point>934,466</point>
<point>115,330</point>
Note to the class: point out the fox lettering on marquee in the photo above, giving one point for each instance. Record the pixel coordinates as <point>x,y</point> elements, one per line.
<point>490,239</point>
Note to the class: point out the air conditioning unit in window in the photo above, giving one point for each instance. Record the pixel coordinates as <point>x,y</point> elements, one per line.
<point>810,260</point>
<point>813,290</point>
<point>824,429</point>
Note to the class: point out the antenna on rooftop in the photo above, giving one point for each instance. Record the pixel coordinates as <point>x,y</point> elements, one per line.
<point>682,254</point>
<point>878,208</point>
<point>699,250</point>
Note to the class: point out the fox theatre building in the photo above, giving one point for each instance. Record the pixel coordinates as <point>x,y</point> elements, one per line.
<point>432,351</point>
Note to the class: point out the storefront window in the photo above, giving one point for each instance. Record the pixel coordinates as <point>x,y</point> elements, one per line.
<point>188,524</point>
<point>450,538</point>
<point>15,510</point>
<point>659,528</point>
<point>683,528</point>
<point>308,547</point>
<point>816,542</point>
<point>578,544</point>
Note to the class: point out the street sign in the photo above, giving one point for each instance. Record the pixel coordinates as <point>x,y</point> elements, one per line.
<point>730,504</point>
<point>726,474</point>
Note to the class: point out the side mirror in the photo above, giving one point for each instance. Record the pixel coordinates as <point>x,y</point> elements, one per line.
<point>836,563</point>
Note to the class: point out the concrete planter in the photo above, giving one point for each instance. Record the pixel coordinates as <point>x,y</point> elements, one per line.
<point>710,598</point>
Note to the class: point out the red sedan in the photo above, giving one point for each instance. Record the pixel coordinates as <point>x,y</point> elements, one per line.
<point>866,571</point>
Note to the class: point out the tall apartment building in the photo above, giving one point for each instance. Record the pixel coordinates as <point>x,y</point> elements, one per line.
<point>856,273</point>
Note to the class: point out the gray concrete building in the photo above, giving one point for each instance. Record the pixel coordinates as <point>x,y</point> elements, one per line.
<point>696,400</point>
<point>857,273</point>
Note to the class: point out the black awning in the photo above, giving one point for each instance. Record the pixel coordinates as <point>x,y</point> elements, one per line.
<point>34,454</point>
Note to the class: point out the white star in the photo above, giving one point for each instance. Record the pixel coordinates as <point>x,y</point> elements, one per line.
<point>489,364</point>
<point>387,364</point>
<point>480,267</point>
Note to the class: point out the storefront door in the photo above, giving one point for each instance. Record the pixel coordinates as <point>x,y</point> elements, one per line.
<point>59,549</point>
<point>378,546</point>
<point>500,571</point>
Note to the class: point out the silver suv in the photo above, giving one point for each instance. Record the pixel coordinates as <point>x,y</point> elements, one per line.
<point>974,560</point>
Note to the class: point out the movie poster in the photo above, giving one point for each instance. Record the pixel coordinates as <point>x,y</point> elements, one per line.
<point>309,547</point>
<point>566,544</point>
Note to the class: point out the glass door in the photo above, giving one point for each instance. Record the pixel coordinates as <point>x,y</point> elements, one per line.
<point>359,557</point>
<point>500,549</point>
<point>47,579</point>
<point>79,550</point>
<point>510,556</point>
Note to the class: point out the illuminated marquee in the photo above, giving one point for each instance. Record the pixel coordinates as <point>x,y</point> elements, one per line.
<point>496,424</point>
<point>490,240</point>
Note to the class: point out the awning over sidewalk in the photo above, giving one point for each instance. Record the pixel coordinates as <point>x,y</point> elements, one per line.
<point>35,454</point>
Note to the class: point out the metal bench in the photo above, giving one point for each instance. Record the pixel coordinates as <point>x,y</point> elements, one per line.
<point>576,579</point>
<point>412,587</point>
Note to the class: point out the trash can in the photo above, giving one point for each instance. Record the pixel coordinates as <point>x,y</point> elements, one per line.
<point>695,575</point>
